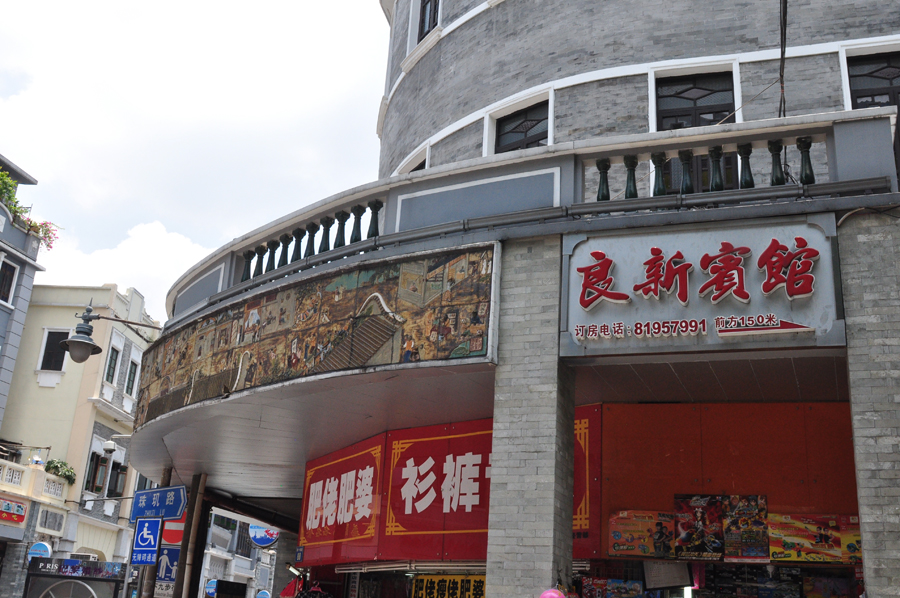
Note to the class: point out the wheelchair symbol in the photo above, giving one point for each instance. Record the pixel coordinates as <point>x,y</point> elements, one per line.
<point>145,538</point>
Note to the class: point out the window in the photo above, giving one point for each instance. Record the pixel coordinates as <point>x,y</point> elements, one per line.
<point>523,129</point>
<point>117,480</point>
<point>132,373</point>
<point>428,17</point>
<point>54,355</point>
<point>8,273</point>
<point>696,101</point>
<point>111,365</point>
<point>144,483</point>
<point>96,473</point>
<point>875,81</point>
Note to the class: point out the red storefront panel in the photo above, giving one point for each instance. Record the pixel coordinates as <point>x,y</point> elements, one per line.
<point>832,470</point>
<point>437,492</point>
<point>650,453</point>
<point>342,504</point>
<point>587,507</point>
<point>757,448</point>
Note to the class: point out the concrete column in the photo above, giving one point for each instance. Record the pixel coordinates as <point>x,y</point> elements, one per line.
<point>530,526</point>
<point>870,272</point>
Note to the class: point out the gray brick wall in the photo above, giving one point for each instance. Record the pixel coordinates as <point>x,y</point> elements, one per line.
<point>530,525</point>
<point>399,37</point>
<point>869,245</point>
<point>453,9</point>
<point>462,145</point>
<point>13,333</point>
<point>812,85</point>
<point>521,43</point>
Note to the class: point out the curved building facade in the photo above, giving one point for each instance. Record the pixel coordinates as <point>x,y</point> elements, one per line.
<point>608,311</point>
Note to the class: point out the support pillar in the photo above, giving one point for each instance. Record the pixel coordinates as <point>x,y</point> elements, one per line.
<point>189,539</point>
<point>868,248</point>
<point>530,524</point>
<point>148,582</point>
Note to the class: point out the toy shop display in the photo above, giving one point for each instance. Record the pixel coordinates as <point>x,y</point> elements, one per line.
<point>746,529</point>
<point>698,527</point>
<point>804,538</point>
<point>642,534</point>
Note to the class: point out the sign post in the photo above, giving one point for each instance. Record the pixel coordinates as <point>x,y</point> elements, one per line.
<point>146,541</point>
<point>160,503</point>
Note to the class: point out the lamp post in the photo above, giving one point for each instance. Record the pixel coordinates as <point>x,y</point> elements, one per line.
<point>81,345</point>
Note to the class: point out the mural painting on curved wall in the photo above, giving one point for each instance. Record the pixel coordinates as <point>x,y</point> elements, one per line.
<point>432,307</point>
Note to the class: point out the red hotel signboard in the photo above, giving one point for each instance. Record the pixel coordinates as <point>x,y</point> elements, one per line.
<point>342,504</point>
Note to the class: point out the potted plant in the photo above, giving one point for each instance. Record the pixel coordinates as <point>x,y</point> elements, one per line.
<point>45,231</point>
<point>60,468</point>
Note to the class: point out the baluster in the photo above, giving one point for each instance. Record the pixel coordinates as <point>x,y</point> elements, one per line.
<point>716,182</point>
<point>687,182</point>
<point>260,252</point>
<point>285,241</point>
<point>775,148</point>
<point>248,257</point>
<point>311,229</point>
<point>356,234</point>
<point>603,186</point>
<point>273,245</point>
<point>807,176</point>
<point>659,164</point>
<point>298,234</point>
<point>325,243</point>
<point>631,163</point>
<point>339,238</point>
<point>744,151</point>
<point>375,206</point>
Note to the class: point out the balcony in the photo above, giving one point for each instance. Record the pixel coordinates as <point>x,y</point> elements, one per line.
<point>31,481</point>
<point>828,155</point>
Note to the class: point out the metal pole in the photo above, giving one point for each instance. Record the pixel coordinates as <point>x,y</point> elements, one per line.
<point>148,585</point>
<point>191,522</point>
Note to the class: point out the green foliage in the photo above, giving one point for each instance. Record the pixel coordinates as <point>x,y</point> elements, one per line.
<point>45,231</point>
<point>60,468</point>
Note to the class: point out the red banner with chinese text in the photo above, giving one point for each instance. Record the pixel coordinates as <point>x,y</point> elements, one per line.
<point>437,492</point>
<point>342,504</point>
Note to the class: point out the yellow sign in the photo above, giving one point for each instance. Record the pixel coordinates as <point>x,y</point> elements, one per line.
<point>448,586</point>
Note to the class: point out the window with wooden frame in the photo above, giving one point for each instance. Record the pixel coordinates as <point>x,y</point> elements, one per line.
<point>523,129</point>
<point>875,81</point>
<point>428,17</point>
<point>117,478</point>
<point>696,101</point>
<point>111,365</point>
<point>95,479</point>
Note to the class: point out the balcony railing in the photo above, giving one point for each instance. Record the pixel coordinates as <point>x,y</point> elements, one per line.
<point>33,482</point>
<point>849,148</point>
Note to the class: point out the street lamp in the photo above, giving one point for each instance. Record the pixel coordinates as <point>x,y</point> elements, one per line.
<point>81,346</point>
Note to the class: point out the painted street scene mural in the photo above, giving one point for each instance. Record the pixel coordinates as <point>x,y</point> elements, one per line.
<point>432,308</point>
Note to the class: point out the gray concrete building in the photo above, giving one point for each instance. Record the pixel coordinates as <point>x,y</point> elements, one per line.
<point>609,277</point>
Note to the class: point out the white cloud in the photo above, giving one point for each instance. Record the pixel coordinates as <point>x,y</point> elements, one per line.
<point>150,259</point>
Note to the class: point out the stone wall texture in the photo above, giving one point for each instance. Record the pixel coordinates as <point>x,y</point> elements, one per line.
<point>869,246</point>
<point>518,44</point>
<point>530,525</point>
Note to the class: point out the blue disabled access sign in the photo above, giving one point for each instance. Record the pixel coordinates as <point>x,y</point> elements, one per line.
<point>146,541</point>
<point>159,503</point>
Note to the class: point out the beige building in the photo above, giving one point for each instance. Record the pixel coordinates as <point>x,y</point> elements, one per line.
<point>59,409</point>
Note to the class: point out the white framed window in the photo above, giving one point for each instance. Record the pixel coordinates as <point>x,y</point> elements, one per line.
<point>419,160</point>
<point>116,345</point>
<point>699,67</point>
<point>520,106</point>
<point>9,274</point>
<point>52,358</point>
<point>424,17</point>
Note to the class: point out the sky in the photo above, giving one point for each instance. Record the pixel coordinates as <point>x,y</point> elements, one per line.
<point>160,131</point>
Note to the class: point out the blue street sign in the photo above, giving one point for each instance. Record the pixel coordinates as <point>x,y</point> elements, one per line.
<point>162,503</point>
<point>263,537</point>
<point>167,564</point>
<point>264,594</point>
<point>40,549</point>
<point>211,588</point>
<point>146,541</point>
<point>298,555</point>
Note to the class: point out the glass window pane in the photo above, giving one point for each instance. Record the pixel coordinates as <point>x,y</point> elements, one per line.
<point>719,97</point>
<point>54,355</point>
<point>673,102</point>
<point>7,274</point>
<point>111,364</point>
